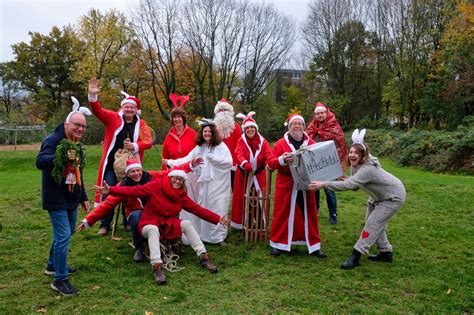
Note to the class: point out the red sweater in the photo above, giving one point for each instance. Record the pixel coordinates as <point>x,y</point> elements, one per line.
<point>164,205</point>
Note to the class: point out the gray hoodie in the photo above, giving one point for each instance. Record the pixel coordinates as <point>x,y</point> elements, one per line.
<point>372,178</point>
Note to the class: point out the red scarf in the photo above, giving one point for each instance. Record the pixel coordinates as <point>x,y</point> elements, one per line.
<point>170,192</point>
<point>253,143</point>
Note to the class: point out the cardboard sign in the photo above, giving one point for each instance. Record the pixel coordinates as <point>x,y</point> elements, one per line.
<point>318,161</point>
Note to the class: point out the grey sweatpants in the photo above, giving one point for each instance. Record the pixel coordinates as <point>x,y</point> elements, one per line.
<point>376,218</point>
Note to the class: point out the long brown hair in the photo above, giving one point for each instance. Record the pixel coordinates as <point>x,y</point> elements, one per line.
<point>215,140</point>
<point>363,152</point>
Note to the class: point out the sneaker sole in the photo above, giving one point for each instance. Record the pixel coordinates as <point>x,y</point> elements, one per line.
<point>53,273</point>
<point>62,293</point>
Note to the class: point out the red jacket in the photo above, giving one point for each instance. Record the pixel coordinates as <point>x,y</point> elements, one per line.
<point>109,204</point>
<point>175,147</point>
<point>231,142</point>
<point>258,162</point>
<point>164,205</point>
<point>114,123</point>
<point>291,224</point>
<point>330,130</point>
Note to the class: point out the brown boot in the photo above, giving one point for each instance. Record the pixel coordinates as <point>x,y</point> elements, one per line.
<point>160,277</point>
<point>206,263</point>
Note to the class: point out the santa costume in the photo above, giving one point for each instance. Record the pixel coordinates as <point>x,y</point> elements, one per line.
<point>229,130</point>
<point>114,123</point>
<point>251,154</point>
<point>295,217</point>
<point>177,145</point>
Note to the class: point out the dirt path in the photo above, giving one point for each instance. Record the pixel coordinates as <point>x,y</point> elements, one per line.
<point>21,147</point>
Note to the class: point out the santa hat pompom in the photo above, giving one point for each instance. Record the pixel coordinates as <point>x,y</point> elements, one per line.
<point>133,163</point>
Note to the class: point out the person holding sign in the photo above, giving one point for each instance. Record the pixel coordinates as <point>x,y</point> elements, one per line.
<point>324,127</point>
<point>295,218</point>
<point>123,130</point>
<point>387,195</point>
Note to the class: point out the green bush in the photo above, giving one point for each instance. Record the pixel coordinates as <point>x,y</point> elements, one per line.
<point>438,151</point>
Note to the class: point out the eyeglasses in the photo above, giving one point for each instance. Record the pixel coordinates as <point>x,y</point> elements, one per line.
<point>78,125</point>
<point>177,179</point>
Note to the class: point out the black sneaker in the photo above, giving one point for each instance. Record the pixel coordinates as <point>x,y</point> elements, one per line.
<point>50,271</point>
<point>64,287</point>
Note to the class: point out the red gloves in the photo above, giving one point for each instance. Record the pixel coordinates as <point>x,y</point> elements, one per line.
<point>248,167</point>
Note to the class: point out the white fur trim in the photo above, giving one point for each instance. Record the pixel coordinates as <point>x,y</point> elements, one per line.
<point>223,105</point>
<point>86,224</point>
<point>320,108</point>
<point>128,101</point>
<point>134,165</point>
<point>178,173</point>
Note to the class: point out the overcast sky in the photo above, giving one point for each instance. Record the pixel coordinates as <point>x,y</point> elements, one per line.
<point>18,17</point>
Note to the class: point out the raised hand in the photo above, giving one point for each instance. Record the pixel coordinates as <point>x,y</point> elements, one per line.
<point>94,87</point>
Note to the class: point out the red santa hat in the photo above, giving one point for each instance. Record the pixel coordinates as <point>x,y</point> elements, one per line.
<point>223,104</point>
<point>320,107</point>
<point>247,120</point>
<point>292,117</point>
<point>133,163</point>
<point>178,173</point>
<point>131,100</point>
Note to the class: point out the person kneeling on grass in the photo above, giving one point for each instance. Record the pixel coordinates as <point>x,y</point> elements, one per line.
<point>387,195</point>
<point>159,220</point>
<point>133,206</point>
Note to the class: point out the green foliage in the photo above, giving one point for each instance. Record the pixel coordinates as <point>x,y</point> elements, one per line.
<point>432,237</point>
<point>45,66</point>
<point>438,151</point>
<point>61,159</point>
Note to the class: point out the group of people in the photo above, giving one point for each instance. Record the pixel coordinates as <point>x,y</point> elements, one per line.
<point>190,196</point>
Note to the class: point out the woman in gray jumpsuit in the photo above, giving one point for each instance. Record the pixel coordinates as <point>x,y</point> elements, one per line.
<point>386,196</point>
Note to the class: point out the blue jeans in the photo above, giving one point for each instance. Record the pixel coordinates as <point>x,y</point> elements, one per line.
<point>64,225</point>
<point>111,179</point>
<point>133,219</point>
<point>330,200</point>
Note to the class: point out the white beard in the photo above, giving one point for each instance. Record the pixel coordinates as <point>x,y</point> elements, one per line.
<point>225,123</point>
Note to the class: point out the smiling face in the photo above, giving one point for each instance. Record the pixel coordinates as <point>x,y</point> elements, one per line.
<point>129,111</point>
<point>177,121</point>
<point>177,182</point>
<point>76,126</point>
<point>135,174</point>
<point>250,132</point>
<point>354,157</point>
<point>297,129</point>
<point>320,115</point>
<point>207,134</point>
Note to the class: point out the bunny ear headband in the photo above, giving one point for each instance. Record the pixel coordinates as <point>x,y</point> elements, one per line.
<point>206,122</point>
<point>182,99</point>
<point>358,137</point>
<point>76,107</point>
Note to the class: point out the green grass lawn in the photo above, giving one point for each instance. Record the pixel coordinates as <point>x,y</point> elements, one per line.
<point>432,272</point>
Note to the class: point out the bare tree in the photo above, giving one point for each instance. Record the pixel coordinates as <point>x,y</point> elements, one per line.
<point>156,24</point>
<point>10,92</point>
<point>270,36</point>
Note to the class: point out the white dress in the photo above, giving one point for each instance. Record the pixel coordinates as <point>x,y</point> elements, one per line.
<point>209,186</point>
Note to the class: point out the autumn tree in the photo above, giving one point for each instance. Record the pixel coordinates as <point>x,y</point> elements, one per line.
<point>44,67</point>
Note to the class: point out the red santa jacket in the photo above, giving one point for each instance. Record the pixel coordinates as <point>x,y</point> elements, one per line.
<point>114,123</point>
<point>175,147</point>
<point>231,142</point>
<point>109,204</point>
<point>164,205</point>
<point>258,162</point>
<point>330,130</point>
<point>291,224</point>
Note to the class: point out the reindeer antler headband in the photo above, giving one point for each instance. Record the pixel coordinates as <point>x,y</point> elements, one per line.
<point>182,99</point>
